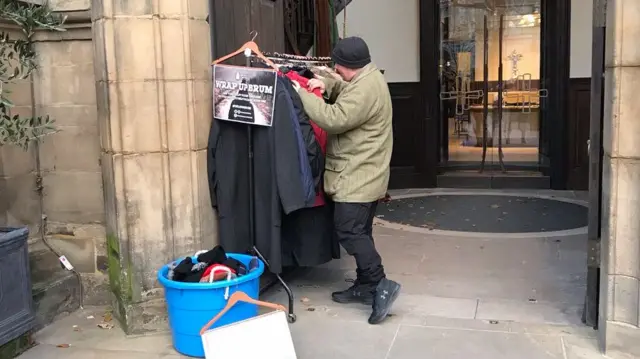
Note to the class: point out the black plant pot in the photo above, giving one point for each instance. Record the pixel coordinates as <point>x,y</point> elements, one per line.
<point>17,315</point>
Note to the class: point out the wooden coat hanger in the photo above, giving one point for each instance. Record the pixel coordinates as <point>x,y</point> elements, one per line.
<point>253,47</point>
<point>233,300</point>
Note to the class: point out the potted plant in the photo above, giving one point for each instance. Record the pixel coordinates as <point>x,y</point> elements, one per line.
<point>19,20</point>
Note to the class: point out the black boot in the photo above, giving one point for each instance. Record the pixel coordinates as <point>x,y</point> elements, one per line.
<point>357,293</point>
<point>386,293</point>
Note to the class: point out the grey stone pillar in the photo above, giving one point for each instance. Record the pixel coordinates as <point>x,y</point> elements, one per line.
<point>154,110</point>
<point>620,280</point>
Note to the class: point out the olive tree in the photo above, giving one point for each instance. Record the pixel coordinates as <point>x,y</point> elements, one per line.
<point>19,21</point>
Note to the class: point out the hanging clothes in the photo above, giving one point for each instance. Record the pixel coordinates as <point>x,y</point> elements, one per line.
<point>315,152</point>
<point>320,134</point>
<point>307,234</point>
<point>284,228</point>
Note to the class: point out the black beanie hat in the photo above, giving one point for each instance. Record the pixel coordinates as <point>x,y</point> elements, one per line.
<point>351,52</point>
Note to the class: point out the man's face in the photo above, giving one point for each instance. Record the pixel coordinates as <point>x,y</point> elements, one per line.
<point>346,73</point>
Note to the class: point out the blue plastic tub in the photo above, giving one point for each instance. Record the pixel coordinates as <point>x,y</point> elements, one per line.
<point>192,305</point>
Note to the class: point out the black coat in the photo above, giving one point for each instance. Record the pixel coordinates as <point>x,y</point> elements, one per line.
<point>278,190</point>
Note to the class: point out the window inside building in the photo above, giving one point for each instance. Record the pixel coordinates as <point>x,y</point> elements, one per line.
<point>490,88</point>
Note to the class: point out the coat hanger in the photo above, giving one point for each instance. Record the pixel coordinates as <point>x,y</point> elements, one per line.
<point>252,47</point>
<point>233,300</point>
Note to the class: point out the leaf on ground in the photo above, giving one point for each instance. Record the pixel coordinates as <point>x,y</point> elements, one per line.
<point>106,326</point>
<point>429,225</point>
<point>107,317</point>
<point>63,345</point>
<point>495,206</point>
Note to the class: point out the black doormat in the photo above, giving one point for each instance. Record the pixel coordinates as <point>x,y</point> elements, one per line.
<point>484,213</point>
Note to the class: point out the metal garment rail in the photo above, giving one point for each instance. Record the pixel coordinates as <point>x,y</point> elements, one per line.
<point>211,19</point>
<point>252,215</point>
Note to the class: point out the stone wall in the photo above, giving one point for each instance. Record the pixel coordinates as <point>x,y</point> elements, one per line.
<point>71,200</point>
<point>70,159</point>
<point>153,85</point>
<point>620,279</point>
<point>132,102</point>
<point>19,202</point>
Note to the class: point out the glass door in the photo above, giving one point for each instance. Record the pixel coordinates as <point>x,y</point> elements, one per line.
<point>490,85</point>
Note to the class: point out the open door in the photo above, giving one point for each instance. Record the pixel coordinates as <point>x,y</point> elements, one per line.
<point>591,304</point>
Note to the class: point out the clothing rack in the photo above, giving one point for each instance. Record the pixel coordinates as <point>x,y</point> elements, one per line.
<point>252,214</point>
<point>297,58</point>
<point>291,61</point>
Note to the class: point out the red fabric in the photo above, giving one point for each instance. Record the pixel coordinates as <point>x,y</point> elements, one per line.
<point>219,272</point>
<point>321,135</point>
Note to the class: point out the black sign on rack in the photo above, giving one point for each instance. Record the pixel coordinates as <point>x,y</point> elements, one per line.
<point>244,94</point>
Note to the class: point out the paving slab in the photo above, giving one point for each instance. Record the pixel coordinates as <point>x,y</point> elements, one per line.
<point>530,312</point>
<point>414,342</point>
<point>51,352</point>
<point>462,297</point>
<point>339,332</point>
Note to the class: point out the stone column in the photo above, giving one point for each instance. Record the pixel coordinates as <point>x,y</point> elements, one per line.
<point>620,279</point>
<point>154,110</point>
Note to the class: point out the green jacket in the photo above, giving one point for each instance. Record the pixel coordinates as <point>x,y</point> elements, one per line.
<point>360,141</point>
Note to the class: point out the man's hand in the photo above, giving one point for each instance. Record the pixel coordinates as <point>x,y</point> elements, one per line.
<point>316,84</point>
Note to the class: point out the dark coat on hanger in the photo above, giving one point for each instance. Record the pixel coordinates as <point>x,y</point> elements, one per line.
<point>307,234</point>
<point>279,190</point>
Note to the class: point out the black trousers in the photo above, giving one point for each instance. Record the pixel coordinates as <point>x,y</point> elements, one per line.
<point>353,224</point>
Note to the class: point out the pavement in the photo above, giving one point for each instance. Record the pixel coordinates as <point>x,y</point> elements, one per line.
<point>498,296</point>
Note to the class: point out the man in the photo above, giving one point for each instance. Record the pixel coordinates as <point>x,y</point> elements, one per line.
<point>358,121</point>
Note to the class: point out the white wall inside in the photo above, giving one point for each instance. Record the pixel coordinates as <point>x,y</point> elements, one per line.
<point>391,29</point>
<point>581,37</point>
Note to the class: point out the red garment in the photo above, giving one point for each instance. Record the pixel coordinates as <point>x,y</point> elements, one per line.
<point>321,135</point>
<point>220,272</point>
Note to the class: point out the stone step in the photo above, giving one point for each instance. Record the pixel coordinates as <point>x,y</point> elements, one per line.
<point>55,290</point>
<point>494,180</point>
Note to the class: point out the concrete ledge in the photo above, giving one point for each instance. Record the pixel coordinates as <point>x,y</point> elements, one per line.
<point>77,26</point>
<point>146,317</point>
<point>622,341</point>
<point>35,2</point>
<point>17,346</point>
<point>79,31</point>
<point>55,290</point>
<point>81,252</point>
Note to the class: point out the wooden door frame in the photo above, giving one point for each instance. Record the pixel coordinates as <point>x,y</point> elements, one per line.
<point>556,35</point>
<point>428,147</point>
<point>592,298</point>
<point>423,169</point>
<point>555,52</point>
